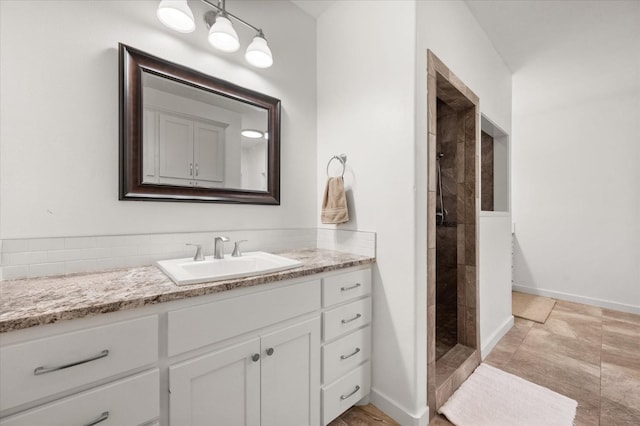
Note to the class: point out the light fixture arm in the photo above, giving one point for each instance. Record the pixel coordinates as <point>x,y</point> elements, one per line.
<point>227,13</point>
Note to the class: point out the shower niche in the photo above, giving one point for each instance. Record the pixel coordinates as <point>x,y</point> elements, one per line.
<point>453,181</point>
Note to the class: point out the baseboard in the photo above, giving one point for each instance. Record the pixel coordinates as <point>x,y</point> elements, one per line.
<point>496,336</point>
<point>578,299</point>
<point>398,413</point>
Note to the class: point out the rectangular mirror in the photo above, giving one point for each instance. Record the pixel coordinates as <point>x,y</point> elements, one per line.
<point>187,136</point>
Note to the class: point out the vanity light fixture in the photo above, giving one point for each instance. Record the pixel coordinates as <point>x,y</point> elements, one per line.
<point>252,134</point>
<point>177,15</point>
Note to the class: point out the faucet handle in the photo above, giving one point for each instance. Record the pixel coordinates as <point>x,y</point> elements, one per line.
<point>236,248</point>
<point>198,256</point>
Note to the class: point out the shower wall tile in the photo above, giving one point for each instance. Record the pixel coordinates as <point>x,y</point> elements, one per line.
<point>433,151</point>
<point>470,286</point>
<point>469,245</point>
<point>460,162</point>
<point>462,286</point>
<point>431,221</point>
<point>461,231</point>
<point>460,206</point>
<point>486,172</point>
<point>469,203</point>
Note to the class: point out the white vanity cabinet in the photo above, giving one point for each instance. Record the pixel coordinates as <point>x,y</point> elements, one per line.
<point>269,377</point>
<point>44,368</point>
<point>346,348</point>
<point>289,353</point>
<point>272,380</point>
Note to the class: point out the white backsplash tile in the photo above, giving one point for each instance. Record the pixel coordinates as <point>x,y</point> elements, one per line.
<point>38,257</point>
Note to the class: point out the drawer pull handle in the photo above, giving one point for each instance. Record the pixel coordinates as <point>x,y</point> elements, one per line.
<point>343,357</point>
<point>104,416</point>
<point>343,397</point>
<point>347,321</point>
<point>44,370</point>
<point>350,288</point>
<point>255,357</point>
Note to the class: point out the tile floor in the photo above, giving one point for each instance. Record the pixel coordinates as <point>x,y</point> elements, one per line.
<point>587,353</point>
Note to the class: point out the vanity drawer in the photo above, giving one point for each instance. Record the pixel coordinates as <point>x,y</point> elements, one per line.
<point>343,319</point>
<point>344,393</point>
<point>202,325</point>
<point>340,288</point>
<point>39,368</point>
<point>345,354</point>
<point>131,401</point>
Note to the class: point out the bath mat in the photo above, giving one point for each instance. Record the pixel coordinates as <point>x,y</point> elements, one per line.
<point>492,397</point>
<point>534,308</point>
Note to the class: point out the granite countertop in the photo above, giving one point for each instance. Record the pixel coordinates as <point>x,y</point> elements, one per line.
<point>31,302</point>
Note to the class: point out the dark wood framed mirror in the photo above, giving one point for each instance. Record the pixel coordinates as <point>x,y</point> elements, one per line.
<point>187,136</point>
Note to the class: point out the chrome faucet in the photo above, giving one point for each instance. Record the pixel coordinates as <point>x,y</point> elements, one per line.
<point>218,247</point>
<point>198,256</point>
<point>236,248</point>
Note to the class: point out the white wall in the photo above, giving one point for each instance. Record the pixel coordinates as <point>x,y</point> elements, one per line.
<point>366,110</point>
<point>372,107</point>
<point>576,199</point>
<point>59,115</point>
<point>449,30</point>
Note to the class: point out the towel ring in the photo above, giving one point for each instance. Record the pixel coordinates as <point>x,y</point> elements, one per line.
<point>342,159</point>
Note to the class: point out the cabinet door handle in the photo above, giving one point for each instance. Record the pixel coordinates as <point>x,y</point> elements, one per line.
<point>350,288</point>
<point>343,397</point>
<point>343,357</point>
<point>104,416</point>
<point>44,370</point>
<point>190,169</point>
<point>255,357</point>
<point>196,169</point>
<point>346,321</point>
<point>270,351</point>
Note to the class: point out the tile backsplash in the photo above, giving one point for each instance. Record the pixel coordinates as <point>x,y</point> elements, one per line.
<point>38,257</point>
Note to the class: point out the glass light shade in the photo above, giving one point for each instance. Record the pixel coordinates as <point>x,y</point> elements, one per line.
<point>258,53</point>
<point>252,134</point>
<point>176,15</point>
<point>222,36</point>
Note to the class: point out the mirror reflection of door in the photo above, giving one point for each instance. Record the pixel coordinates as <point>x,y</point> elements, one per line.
<point>192,137</point>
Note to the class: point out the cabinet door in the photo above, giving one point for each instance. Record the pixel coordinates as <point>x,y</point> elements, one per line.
<point>291,376</point>
<point>221,388</point>
<point>176,147</point>
<point>209,153</point>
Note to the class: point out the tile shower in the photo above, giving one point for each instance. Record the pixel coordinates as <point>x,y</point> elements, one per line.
<point>452,256</point>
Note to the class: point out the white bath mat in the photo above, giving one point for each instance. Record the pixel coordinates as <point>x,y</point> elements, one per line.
<point>492,397</point>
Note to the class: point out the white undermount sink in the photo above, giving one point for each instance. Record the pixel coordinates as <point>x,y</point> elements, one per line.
<point>188,271</point>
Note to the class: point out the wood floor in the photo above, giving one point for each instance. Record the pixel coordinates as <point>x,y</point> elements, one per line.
<point>587,353</point>
<point>362,416</point>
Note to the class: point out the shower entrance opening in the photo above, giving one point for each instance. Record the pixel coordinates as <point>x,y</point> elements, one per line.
<point>453,211</point>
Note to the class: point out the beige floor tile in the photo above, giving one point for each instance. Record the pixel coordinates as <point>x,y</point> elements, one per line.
<point>439,420</point>
<point>621,385</point>
<point>574,325</point>
<point>614,414</point>
<point>621,316</point>
<point>578,309</point>
<point>542,339</point>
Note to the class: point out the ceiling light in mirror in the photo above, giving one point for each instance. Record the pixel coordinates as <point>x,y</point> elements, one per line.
<point>252,134</point>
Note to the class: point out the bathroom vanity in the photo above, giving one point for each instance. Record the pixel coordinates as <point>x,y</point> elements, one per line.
<point>287,348</point>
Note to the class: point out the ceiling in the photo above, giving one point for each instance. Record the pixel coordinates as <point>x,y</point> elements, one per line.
<point>314,8</point>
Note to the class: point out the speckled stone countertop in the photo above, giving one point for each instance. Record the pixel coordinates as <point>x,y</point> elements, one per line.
<point>31,302</point>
